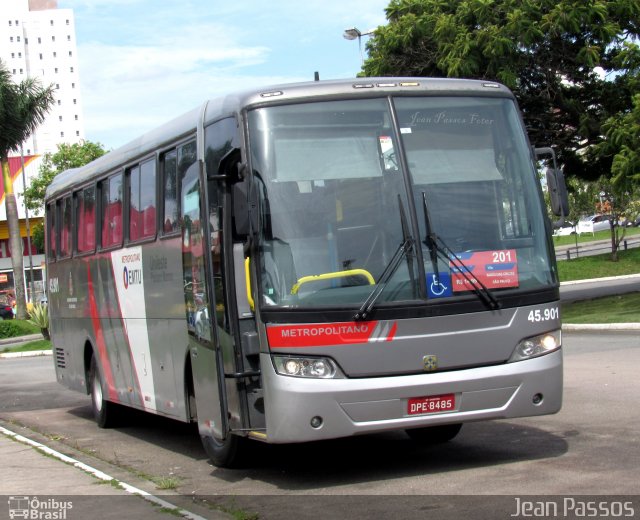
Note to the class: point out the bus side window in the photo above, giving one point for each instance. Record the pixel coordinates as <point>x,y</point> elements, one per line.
<point>169,166</point>
<point>111,209</point>
<point>141,182</point>
<point>65,229</point>
<point>52,231</point>
<point>85,219</point>
<point>133,184</point>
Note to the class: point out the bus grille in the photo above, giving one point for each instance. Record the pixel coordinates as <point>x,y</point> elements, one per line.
<point>60,358</point>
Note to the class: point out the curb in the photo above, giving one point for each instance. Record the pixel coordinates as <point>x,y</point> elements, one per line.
<point>585,327</point>
<point>605,279</point>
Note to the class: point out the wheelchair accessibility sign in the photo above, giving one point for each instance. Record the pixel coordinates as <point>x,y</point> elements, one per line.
<point>439,286</point>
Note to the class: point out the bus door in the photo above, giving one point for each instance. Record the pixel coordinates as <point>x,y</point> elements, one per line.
<point>233,320</point>
<point>204,347</point>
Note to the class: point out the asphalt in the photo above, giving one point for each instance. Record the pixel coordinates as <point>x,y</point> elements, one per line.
<point>71,485</point>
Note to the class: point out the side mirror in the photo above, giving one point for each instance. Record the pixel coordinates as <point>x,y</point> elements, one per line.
<point>558,192</point>
<point>555,184</point>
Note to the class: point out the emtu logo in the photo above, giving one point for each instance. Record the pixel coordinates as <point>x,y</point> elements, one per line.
<point>131,277</point>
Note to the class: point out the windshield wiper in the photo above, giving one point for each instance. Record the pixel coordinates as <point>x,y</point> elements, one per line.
<point>392,266</point>
<point>404,249</point>
<point>437,245</point>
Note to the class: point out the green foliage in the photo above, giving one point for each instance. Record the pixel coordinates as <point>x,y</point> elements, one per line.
<point>39,316</point>
<point>572,64</point>
<point>15,328</point>
<point>37,236</point>
<point>68,156</point>
<point>623,144</point>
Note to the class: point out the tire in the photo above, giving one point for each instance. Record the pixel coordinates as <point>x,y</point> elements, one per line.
<point>105,412</point>
<point>434,434</point>
<point>229,453</point>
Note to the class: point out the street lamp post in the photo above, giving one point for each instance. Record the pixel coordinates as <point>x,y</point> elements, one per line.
<point>353,33</point>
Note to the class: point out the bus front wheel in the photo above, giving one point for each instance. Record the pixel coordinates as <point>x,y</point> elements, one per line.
<point>434,434</point>
<point>104,412</point>
<point>228,453</point>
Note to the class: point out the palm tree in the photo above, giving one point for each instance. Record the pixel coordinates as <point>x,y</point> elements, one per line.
<point>23,106</point>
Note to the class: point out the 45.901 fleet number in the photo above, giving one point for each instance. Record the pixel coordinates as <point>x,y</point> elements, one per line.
<point>547,314</point>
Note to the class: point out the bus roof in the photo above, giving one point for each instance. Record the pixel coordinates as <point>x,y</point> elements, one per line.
<point>187,124</point>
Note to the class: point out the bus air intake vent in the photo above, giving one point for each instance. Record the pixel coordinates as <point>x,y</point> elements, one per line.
<point>60,358</point>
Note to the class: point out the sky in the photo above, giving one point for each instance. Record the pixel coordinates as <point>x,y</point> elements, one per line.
<point>144,62</point>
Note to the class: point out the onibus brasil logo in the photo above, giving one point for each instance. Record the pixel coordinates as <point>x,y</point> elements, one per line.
<point>37,509</point>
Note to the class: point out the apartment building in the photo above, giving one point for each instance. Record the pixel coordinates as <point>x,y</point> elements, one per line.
<point>38,40</point>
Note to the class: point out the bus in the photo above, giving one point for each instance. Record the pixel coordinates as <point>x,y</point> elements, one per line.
<point>312,261</point>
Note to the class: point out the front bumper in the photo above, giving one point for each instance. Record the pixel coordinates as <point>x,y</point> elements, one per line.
<point>356,406</point>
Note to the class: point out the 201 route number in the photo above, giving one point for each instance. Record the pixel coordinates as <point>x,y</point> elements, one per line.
<point>538,315</point>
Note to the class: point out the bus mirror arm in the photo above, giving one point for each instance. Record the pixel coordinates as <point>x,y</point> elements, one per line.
<point>230,168</point>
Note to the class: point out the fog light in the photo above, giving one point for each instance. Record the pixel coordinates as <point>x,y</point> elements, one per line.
<point>316,421</point>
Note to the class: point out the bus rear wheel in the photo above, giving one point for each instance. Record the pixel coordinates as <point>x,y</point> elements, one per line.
<point>228,453</point>
<point>105,412</point>
<point>434,434</point>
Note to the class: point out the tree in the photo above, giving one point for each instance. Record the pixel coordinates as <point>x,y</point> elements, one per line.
<point>571,63</point>
<point>623,145</point>
<point>23,107</point>
<point>68,156</point>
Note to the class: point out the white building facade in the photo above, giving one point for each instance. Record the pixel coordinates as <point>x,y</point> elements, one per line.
<point>37,40</point>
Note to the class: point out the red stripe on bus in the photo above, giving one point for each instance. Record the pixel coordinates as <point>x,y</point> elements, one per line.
<point>392,332</point>
<point>100,342</point>
<point>320,334</point>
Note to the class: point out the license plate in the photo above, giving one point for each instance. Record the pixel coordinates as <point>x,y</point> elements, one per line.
<point>431,404</point>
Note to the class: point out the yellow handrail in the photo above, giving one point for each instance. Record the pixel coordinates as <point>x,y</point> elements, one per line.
<point>329,276</point>
<point>247,281</point>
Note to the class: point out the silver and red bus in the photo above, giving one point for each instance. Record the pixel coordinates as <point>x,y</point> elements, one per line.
<point>312,261</point>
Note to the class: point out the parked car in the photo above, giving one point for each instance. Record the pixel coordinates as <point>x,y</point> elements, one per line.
<point>594,223</point>
<point>6,306</point>
<point>564,229</point>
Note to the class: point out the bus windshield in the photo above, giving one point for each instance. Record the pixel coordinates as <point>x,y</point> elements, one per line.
<point>340,180</point>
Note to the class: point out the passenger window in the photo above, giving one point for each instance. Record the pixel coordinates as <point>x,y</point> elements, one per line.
<point>133,177</point>
<point>65,229</point>
<point>86,219</point>
<point>51,230</point>
<point>142,200</point>
<point>170,191</point>
<point>111,198</point>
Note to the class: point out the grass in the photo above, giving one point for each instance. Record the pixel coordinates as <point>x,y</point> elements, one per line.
<point>166,482</point>
<point>41,344</point>
<point>600,266</point>
<point>612,309</point>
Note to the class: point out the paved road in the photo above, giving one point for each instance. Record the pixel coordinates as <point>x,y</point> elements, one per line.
<point>591,447</point>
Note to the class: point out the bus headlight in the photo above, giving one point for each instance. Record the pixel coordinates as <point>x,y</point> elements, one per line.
<point>312,367</point>
<point>537,346</point>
